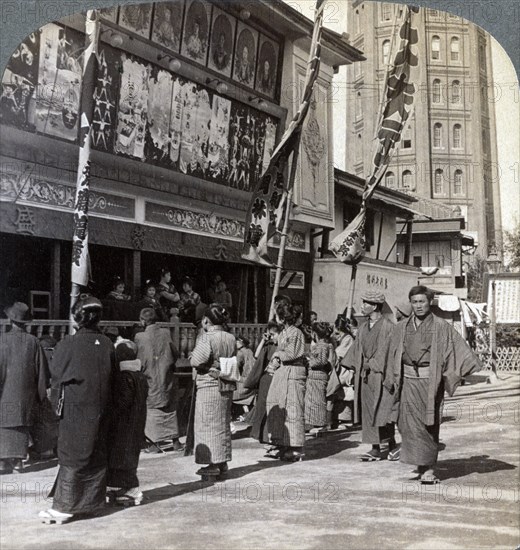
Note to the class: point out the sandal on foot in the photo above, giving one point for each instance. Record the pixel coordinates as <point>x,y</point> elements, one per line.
<point>52,516</point>
<point>131,497</point>
<point>371,456</point>
<point>394,455</point>
<point>210,470</point>
<point>292,456</point>
<point>429,479</point>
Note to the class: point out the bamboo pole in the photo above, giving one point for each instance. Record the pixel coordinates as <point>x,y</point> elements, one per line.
<point>352,289</point>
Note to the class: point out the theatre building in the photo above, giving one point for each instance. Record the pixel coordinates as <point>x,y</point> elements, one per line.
<point>189,100</point>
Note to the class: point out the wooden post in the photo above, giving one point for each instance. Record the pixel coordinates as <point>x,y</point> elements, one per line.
<point>55,279</point>
<point>255,297</point>
<point>352,289</point>
<point>136,273</point>
<point>409,238</point>
<point>381,218</point>
<point>493,333</point>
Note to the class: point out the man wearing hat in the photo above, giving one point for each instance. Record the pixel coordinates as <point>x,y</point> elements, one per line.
<point>368,357</point>
<point>24,377</point>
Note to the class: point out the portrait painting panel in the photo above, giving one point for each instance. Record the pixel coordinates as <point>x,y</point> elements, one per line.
<point>221,43</point>
<point>245,55</point>
<point>267,69</point>
<point>196,31</point>
<point>136,18</point>
<point>167,24</point>
<point>109,14</point>
<point>59,82</point>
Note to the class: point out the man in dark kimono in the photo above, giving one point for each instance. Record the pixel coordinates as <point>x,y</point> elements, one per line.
<point>24,377</point>
<point>367,357</point>
<point>82,368</point>
<point>426,357</point>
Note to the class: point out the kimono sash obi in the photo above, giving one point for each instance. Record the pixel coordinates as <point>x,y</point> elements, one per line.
<point>421,371</point>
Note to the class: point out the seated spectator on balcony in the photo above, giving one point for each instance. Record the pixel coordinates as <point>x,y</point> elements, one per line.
<point>150,299</point>
<point>118,291</point>
<point>168,296</point>
<point>223,296</point>
<point>24,379</point>
<point>188,302</point>
<point>158,356</point>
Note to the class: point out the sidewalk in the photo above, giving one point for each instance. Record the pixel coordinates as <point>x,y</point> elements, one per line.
<point>330,500</point>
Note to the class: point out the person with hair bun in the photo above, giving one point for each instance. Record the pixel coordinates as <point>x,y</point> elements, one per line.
<point>212,423</point>
<point>321,359</point>
<point>150,299</point>
<point>82,368</point>
<point>286,397</point>
<point>118,291</point>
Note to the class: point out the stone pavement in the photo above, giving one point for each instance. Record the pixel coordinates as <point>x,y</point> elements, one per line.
<point>330,500</point>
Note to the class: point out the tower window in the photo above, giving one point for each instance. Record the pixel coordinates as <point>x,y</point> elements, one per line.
<point>407,179</point>
<point>386,11</point>
<point>457,136</point>
<point>436,47</point>
<point>455,48</point>
<point>438,182</point>
<point>437,131</point>
<point>390,180</point>
<point>455,91</point>
<point>457,182</point>
<point>436,91</point>
<point>386,51</point>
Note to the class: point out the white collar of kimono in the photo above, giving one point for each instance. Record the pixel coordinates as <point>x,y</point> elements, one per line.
<point>133,365</point>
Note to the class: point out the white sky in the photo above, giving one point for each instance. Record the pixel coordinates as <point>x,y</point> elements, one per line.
<point>507,110</point>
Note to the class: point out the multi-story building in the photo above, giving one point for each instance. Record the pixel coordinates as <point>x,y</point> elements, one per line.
<point>448,152</point>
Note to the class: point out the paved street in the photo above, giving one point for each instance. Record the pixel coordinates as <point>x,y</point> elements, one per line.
<point>330,500</point>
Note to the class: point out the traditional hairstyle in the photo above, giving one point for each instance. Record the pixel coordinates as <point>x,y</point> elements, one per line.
<point>148,284</point>
<point>117,281</point>
<point>188,280</point>
<point>286,312</point>
<point>421,289</point>
<point>148,316</point>
<point>244,341</point>
<point>274,325</point>
<point>344,324</point>
<point>87,311</point>
<point>322,329</point>
<point>126,350</point>
<point>282,298</point>
<point>217,314</point>
<point>164,270</point>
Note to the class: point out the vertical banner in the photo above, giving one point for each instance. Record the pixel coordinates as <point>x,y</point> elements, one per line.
<point>80,274</point>
<point>398,97</point>
<point>267,207</point>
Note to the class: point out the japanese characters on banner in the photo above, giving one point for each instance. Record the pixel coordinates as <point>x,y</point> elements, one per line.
<point>59,90</point>
<point>19,82</point>
<point>159,104</point>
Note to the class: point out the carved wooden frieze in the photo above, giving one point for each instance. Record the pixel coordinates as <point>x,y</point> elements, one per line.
<point>45,192</point>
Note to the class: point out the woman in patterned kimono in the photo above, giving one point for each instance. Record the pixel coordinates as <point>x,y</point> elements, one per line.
<point>286,397</point>
<point>320,361</point>
<point>214,396</point>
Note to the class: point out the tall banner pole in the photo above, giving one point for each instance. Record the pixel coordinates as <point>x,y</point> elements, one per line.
<point>285,229</point>
<point>80,271</point>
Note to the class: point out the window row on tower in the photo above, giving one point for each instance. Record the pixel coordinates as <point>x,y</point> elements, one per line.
<point>439,138</point>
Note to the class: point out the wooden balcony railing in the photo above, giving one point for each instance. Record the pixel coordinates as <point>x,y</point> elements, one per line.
<point>183,334</point>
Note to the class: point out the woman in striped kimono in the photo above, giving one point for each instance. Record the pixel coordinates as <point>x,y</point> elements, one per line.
<point>286,397</point>
<point>320,360</point>
<point>214,395</point>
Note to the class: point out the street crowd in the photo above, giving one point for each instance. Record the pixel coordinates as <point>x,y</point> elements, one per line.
<point>109,399</point>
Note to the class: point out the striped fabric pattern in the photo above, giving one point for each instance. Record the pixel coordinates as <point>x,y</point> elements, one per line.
<point>315,398</point>
<point>212,424</point>
<point>286,406</point>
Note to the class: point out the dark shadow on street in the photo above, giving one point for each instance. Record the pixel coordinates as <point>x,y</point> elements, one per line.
<point>461,467</point>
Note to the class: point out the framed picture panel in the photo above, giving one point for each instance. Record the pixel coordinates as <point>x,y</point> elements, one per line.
<point>196,31</point>
<point>167,24</point>
<point>136,18</point>
<point>109,14</point>
<point>221,42</point>
<point>245,55</point>
<point>267,68</point>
